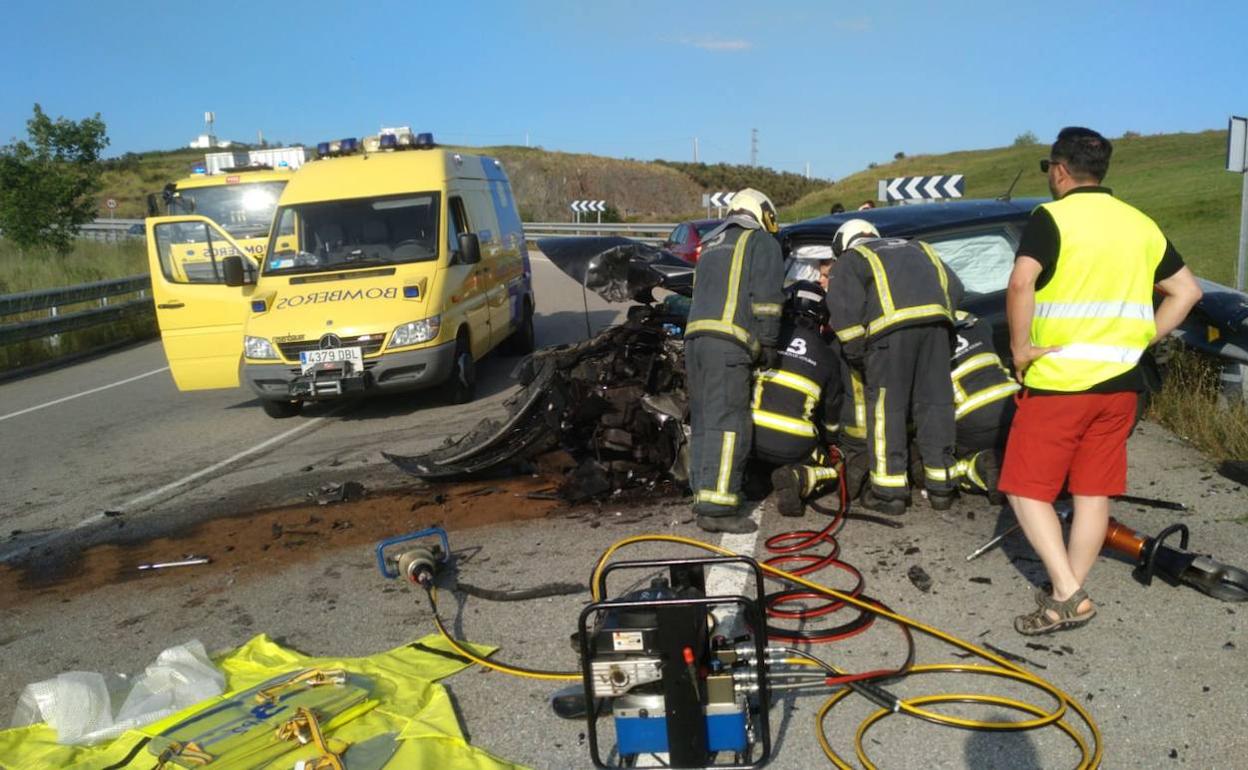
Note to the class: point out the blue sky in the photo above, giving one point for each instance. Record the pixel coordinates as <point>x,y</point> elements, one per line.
<point>833,84</point>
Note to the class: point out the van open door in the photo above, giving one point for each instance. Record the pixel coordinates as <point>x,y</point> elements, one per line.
<point>201,318</point>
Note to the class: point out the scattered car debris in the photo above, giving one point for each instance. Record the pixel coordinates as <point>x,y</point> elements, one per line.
<point>1014,658</point>
<point>190,562</point>
<point>919,577</point>
<point>615,404</point>
<point>345,492</point>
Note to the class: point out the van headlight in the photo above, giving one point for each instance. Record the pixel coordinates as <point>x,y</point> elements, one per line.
<point>416,332</point>
<point>258,347</point>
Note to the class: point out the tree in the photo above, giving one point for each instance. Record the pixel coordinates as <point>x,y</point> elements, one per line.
<point>48,183</point>
<point>1026,139</point>
<point>899,156</point>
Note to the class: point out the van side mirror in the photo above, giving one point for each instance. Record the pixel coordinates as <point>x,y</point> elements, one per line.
<point>232,267</point>
<point>469,249</point>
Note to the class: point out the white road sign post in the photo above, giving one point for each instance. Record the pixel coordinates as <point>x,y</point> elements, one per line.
<point>718,200</point>
<point>1237,161</point>
<point>584,207</point>
<point>111,203</point>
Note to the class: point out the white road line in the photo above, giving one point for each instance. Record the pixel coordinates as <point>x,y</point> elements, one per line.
<point>227,461</point>
<point>21,546</point>
<point>732,579</point>
<point>62,400</point>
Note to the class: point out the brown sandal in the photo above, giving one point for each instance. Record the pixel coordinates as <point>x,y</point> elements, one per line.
<point>1039,622</point>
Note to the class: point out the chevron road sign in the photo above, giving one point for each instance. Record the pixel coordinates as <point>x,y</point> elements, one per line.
<point>584,207</point>
<point>935,187</point>
<point>717,200</point>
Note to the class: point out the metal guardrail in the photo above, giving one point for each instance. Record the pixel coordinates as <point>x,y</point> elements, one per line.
<point>109,230</point>
<point>646,232</point>
<point>53,300</point>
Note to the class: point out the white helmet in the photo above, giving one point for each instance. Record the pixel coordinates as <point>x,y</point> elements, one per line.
<point>753,203</point>
<point>852,230</point>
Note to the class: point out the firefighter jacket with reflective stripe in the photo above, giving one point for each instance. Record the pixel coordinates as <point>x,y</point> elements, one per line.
<point>1098,304</point>
<point>737,289</point>
<point>979,377</point>
<point>793,403</point>
<point>890,283</point>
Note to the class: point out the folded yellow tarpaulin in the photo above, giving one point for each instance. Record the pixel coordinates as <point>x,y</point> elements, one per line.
<point>410,706</point>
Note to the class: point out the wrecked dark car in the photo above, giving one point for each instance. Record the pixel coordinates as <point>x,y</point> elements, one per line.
<point>616,403</point>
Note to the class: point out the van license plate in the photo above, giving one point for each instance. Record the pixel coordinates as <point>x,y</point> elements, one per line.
<point>310,358</point>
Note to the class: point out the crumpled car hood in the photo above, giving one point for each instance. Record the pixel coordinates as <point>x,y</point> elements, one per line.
<point>619,269</point>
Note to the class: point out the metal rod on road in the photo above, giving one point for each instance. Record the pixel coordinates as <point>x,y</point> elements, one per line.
<point>980,551</point>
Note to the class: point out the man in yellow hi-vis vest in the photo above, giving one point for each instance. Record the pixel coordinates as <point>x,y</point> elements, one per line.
<point>1080,308</point>
<point>734,323</point>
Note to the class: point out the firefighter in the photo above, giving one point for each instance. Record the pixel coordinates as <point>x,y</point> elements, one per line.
<point>794,402</point>
<point>983,399</point>
<point>734,324</point>
<point>891,304</point>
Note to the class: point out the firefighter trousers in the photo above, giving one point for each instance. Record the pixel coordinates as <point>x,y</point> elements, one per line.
<point>907,374</point>
<point>720,378</point>
<point>980,446</point>
<point>853,430</point>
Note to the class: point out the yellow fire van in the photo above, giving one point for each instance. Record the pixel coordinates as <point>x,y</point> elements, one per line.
<point>391,264</point>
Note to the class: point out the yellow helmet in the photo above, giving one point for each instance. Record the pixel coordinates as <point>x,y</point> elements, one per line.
<point>850,231</point>
<point>753,203</point>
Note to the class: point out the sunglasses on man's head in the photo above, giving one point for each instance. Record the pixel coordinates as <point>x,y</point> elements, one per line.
<point>1045,164</point>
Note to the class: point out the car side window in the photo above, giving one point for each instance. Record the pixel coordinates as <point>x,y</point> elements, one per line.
<point>981,258</point>
<point>457,223</point>
<point>680,234</point>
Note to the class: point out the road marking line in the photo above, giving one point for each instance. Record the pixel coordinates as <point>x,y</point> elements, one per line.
<point>98,517</point>
<point>223,463</point>
<point>732,579</point>
<point>28,410</point>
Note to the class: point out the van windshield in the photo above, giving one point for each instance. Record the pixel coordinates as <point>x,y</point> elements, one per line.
<point>355,233</point>
<point>242,210</point>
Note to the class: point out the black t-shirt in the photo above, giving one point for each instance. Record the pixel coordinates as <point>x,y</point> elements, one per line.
<point>1043,242</point>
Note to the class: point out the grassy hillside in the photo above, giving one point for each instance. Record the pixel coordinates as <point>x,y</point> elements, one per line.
<point>1178,179</point>
<point>545,183</point>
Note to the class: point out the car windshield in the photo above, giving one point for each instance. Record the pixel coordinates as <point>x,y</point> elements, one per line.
<point>242,210</point>
<point>355,233</point>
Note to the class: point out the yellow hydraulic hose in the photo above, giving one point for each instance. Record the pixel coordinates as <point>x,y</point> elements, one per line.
<point>1090,758</point>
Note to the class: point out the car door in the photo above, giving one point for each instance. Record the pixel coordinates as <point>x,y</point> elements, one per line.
<point>467,285</point>
<point>494,261</point>
<point>201,319</point>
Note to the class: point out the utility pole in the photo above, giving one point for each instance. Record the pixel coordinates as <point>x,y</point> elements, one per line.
<point>695,149</point>
<point>808,169</point>
<point>526,138</point>
<point>753,146</point>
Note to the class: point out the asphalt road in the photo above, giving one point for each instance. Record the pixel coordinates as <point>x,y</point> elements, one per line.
<point>1162,669</point>
<point>113,434</point>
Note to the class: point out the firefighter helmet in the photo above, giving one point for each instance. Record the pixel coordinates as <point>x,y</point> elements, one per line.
<point>852,230</point>
<point>753,203</point>
<point>806,299</point>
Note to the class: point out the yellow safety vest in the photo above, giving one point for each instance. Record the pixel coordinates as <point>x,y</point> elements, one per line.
<point>1098,305</point>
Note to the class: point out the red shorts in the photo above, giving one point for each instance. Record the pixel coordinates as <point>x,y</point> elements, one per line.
<point>1081,435</point>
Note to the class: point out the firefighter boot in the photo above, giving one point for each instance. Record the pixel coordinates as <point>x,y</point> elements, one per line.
<point>736,524</point>
<point>941,501</point>
<point>789,483</point>
<point>889,505</point>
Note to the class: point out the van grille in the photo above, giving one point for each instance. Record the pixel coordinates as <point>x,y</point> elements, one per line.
<point>291,350</point>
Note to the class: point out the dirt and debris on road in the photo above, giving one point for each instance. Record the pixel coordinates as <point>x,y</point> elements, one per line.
<point>243,543</point>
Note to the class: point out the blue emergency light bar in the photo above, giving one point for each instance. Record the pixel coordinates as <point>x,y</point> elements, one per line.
<point>389,141</point>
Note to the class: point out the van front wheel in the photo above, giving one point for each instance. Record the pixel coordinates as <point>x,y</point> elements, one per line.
<point>280,409</point>
<point>462,385</point>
